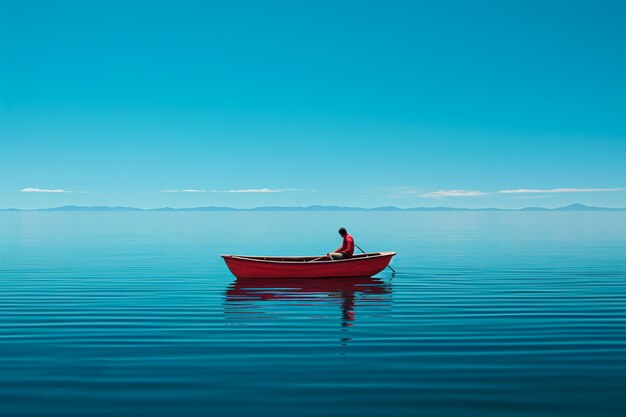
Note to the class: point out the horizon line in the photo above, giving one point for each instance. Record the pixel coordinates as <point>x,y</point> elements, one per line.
<point>313,207</point>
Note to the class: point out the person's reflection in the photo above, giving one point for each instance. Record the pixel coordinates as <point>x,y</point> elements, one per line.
<point>245,294</point>
<point>347,308</point>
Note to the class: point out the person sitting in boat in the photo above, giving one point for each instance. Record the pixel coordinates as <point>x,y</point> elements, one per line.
<point>347,248</point>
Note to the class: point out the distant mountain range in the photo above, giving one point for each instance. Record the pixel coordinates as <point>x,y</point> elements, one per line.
<point>571,207</point>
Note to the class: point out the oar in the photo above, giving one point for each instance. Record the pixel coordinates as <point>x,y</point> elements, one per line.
<point>393,270</point>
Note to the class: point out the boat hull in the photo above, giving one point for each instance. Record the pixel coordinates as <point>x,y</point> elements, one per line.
<point>365,265</point>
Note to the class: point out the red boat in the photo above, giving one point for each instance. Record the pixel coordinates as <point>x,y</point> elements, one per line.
<point>362,265</point>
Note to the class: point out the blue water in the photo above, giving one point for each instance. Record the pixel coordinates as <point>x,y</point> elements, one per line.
<point>490,314</point>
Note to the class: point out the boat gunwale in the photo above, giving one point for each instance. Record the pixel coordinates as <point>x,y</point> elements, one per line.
<point>372,255</point>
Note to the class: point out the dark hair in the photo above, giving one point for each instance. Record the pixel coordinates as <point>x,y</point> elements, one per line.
<point>342,231</point>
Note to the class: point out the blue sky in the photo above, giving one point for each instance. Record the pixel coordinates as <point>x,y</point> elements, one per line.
<point>296,103</point>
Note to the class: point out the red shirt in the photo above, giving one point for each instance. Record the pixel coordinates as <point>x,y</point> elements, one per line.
<point>347,247</point>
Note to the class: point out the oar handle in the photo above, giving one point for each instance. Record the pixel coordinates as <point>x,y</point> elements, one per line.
<point>394,271</point>
<point>359,248</point>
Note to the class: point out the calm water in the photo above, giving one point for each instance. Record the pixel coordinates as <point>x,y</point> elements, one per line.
<point>490,314</point>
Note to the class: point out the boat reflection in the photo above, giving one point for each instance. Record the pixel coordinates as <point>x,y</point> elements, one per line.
<point>248,296</point>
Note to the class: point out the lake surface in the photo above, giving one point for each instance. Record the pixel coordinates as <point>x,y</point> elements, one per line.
<point>490,314</point>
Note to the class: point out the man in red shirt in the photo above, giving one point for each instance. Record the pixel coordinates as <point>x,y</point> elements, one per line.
<point>347,248</point>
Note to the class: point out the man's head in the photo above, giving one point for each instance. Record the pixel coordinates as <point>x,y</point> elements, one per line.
<point>342,231</point>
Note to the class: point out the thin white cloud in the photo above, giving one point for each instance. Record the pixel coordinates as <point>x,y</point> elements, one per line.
<point>248,190</point>
<point>453,193</point>
<point>531,197</point>
<point>560,190</point>
<point>408,192</point>
<point>184,191</point>
<point>522,192</point>
<point>261,190</point>
<point>44,190</point>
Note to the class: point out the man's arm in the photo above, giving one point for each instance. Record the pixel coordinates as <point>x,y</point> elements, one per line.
<point>342,247</point>
<point>349,245</point>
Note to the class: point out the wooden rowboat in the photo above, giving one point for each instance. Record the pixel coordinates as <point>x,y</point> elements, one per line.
<point>362,265</point>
